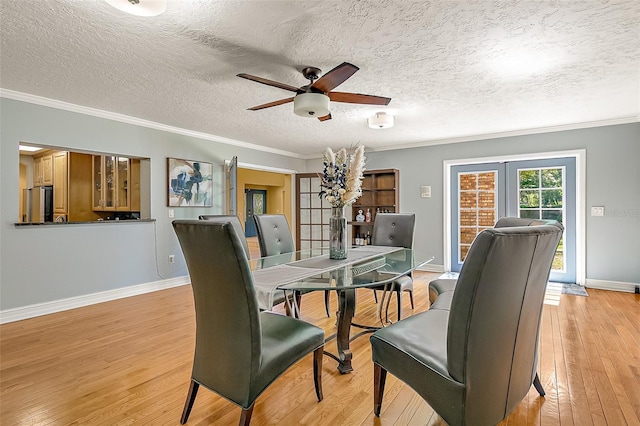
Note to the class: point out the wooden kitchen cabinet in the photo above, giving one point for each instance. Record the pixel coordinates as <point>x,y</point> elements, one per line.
<point>43,170</point>
<point>60,161</point>
<point>111,179</point>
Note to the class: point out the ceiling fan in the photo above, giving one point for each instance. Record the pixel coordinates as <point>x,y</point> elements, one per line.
<point>312,100</point>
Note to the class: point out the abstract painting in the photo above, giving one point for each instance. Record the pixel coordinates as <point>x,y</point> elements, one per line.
<point>190,183</point>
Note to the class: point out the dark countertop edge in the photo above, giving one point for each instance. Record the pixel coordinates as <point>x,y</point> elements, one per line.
<point>92,222</point>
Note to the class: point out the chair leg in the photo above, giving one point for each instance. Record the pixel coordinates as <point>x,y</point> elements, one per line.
<point>379,377</point>
<point>375,296</point>
<point>411,298</point>
<point>399,299</point>
<point>298,305</point>
<point>191,397</point>
<point>317,371</point>
<point>538,385</point>
<point>326,302</point>
<point>245,417</point>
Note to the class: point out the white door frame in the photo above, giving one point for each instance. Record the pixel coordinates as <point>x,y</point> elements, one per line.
<point>580,157</point>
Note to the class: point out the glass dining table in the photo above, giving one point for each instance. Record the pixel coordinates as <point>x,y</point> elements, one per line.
<point>312,270</point>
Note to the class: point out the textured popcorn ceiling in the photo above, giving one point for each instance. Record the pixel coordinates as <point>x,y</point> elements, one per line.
<point>453,68</point>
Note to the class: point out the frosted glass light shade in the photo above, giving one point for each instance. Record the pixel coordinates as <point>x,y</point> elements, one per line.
<point>311,105</point>
<point>381,121</point>
<point>140,7</point>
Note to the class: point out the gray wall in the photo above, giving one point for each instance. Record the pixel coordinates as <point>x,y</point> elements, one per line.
<point>48,263</point>
<point>612,180</point>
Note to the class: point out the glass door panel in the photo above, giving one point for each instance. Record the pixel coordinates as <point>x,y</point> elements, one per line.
<point>109,202</point>
<point>477,205</point>
<point>546,190</point>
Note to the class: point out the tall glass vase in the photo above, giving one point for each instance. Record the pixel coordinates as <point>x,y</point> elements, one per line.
<point>337,234</point>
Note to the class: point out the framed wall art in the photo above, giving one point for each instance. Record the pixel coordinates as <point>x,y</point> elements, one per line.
<point>190,183</point>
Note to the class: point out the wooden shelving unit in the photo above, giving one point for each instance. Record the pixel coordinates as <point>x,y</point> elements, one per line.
<point>380,194</point>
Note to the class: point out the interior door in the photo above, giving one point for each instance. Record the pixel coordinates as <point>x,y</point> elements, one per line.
<point>255,203</point>
<point>536,189</point>
<point>232,177</point>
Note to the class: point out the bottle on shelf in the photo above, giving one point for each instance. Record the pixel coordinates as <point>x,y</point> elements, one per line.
<point>368,238</point>
<point>368,216</point>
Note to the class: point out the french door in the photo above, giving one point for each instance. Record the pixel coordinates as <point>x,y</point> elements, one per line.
<point>535,189</point>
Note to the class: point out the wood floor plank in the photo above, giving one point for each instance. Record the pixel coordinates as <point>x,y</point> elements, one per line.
<point>129,362</point>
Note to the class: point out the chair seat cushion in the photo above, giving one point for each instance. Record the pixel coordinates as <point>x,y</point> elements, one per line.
<point>443,302</point>
<point>437,287</point>
<point>417,347</point>
<point>285,340</point>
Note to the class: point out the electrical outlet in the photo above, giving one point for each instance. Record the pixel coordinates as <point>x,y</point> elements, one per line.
<point>597,211</point>
<point>171,214</point>
<point>172,258</point>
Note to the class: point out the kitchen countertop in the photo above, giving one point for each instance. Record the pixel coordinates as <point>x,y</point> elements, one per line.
<point>21,224</point>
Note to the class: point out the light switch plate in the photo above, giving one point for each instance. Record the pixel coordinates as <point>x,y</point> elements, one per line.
<point>597,211</point>
<point>171,214</point>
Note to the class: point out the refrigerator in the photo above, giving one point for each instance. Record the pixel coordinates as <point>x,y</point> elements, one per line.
<point>38,204</point>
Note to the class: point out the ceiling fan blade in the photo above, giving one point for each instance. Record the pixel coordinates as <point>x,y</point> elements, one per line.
<point>335,77</point>
<point>268,82</point>
<point>271,104</point>
<point>325,118</point>
<point>358,98</point>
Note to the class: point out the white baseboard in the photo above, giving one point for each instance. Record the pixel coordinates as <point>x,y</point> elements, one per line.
<point>30,311</point>
<point>612,285</point>
<point>429,267</point>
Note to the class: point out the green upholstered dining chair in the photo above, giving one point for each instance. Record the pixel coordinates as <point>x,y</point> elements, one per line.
<point>239,350</point>
<point>274,237</point>
<point>473,355</point>
<point>276,297</point>
<point>443,285</point>
<point>395,229</point>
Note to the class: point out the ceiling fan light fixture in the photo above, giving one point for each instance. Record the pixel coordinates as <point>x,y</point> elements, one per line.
<point>311,105</point>
<point>140,7</point>
<point>381,121</point>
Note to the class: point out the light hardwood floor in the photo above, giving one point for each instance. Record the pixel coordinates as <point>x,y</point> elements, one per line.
<point>129,361</point>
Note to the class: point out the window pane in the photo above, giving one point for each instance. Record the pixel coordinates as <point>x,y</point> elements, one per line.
<point>552,214</point>
<point>316,202</point>
<point>487,181</point>
<point>468,200</point>
<point>467,181</point>
<point>552,198</point>
<point>315,185</point>
<point>552,178</point>
<point>304,201</point>
<point>486,217</point>
<point>530,214</point>
<point>529,198</point>
<point>305,216</point>
<point>305,232</point>
<point>529,178</point>
<point>305,185</point>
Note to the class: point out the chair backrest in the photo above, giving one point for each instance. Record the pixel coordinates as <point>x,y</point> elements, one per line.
<point>223,218</point>
<point>394,229</point>
<point>506,222</point>
<point>274,235</point>
<point>228,330</point>
<point>495,317</point>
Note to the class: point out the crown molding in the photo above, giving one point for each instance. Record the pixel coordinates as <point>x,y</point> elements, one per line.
<point>522,132</point>
<point>53,103</point>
